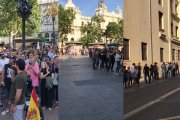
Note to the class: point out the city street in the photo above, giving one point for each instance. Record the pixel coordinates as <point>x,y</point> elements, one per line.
<point>158,101</point>
<point>87,94</point>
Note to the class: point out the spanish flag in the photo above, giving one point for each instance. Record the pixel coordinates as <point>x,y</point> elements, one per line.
<point>33,109</point>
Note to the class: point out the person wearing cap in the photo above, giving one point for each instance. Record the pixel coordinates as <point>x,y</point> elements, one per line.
<point>6,83</point>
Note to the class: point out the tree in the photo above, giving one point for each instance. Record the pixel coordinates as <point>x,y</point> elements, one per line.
<point>65,19</point>
<point>114,31</point>
<point>52,12</point>
<point>93,29</point>
<point>11,23</point>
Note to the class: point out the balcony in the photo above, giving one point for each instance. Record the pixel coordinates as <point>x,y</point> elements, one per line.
<point>162,35</point>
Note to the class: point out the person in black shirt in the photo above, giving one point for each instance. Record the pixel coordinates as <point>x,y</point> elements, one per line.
<point>111,59</point>
<point>146,73</point>
<point>46,88</point>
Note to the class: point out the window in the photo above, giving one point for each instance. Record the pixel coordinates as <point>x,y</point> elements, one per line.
<point>144,51</point>
<point>126,49</point>
<point>171,5</point>
<point>173,54</point>
<point>160,2</point>
<point>161,54</point>
<point>176,31</point>
<point>47,36</point>
<point>179,55</point>
<point>160,20</point>
<point>176,8</point>
<point>172,29</point>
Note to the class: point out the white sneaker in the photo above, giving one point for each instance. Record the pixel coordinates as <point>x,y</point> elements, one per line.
<point>50,109</point>
<point>4,112</point>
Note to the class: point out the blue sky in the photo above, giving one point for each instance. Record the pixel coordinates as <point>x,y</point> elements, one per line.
<point>88,7</point>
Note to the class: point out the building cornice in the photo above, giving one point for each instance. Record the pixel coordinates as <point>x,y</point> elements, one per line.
<point>175,41</point>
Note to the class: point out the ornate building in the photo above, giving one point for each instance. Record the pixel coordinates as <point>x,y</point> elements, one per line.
<point>47,24</point>
<point>79,20</point>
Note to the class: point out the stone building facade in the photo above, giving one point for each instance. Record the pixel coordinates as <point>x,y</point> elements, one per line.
<point>151,31</point>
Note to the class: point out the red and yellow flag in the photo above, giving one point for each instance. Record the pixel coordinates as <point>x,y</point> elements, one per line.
<point>33,109</point>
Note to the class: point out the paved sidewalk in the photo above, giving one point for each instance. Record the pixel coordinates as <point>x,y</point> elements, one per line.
<point>48,115</point>
<point>87,94</point>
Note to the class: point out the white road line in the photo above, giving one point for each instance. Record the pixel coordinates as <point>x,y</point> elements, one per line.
<point>171,118</point>
<point>127,115</point>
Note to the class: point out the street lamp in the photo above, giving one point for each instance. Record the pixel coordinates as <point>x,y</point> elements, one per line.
<point>24,11</point>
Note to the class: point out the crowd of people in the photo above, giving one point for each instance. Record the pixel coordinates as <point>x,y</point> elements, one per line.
<point>40,70</point>
<point>107,59</point>
<point>132,75</point>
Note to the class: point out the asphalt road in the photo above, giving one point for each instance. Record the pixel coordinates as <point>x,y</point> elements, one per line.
<point>149,97</point>
<point>87,94</point>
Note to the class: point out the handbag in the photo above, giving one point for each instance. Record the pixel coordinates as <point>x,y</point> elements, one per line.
<point>49,82</point>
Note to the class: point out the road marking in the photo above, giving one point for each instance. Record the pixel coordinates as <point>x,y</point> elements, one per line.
<point>127,115</point>
<point>171,118</point>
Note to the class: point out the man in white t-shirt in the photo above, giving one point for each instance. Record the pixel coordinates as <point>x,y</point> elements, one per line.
<point>3,60</point>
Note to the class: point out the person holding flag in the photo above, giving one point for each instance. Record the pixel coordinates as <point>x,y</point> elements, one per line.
<point>17,92</point>
<point>33,112</point>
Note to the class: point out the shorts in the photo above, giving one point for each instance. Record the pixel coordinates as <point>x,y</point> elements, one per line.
<point>5,92</point>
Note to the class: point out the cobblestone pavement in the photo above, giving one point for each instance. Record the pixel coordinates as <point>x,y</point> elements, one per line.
<point>87,94</point>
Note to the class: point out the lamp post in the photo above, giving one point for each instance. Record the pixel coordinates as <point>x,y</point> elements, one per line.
<point>24,11</point>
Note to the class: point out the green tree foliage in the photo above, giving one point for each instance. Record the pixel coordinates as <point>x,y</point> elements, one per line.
<point>10,21</point>
<point>114,31</point>
<point>65,19</point>
<point>92,30</point>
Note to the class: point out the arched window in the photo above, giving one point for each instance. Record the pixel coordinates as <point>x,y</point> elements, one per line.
<point>72,39</point>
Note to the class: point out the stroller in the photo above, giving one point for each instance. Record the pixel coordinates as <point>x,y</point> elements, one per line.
<point>28,96</point>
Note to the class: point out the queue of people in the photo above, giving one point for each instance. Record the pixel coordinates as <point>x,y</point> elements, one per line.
<point>132,75</point>
<point>107,59</point>
<point>38,69</point>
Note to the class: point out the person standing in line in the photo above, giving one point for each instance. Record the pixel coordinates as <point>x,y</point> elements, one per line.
<point>112,60</point>
<point>129,77</point>
<point>3,61</point>
<point>156,73</point>
<point>139,70</point>
<point>55,71</point>
<point>132,69</point>
<point>170,70</point>
<point>17,93</point>
<point>33,71</point>
<point>146,74</point>
<point>174,69</point>
<point>118,61</point>
<point>163,67</point>
<point>177,68</point>
<point>6,84</point>
<point>151,69</point>
<point>125,76</point>
<point>47,82</point>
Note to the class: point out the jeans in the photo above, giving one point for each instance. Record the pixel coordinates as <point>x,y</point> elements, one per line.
<point>19,113</point>
<point>117,66</point>
<point>170,73</point>
<point>163,74</point>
